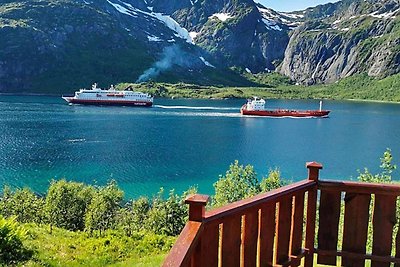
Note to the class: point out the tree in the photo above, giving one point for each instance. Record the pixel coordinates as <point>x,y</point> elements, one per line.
<point>102,210</point>
<point>273,181</point>
<point>238,183</point>
<point>140,210</point>
<point>133,215</point>
<point>24,204</point>
<point>12,249</point>
<point>66,204</point>
<point>167,216</point>
<point>386,174</point>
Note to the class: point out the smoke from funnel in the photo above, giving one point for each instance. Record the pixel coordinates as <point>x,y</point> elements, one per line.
<point>172,55</point>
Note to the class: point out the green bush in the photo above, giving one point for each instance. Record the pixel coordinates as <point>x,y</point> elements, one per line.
<point>102,210</point>
<point>273,181</point>
<point>238,183</point>
<point>140,210</point>
<point>385,176</point>
<point>12,249</point>
<point>167,217</point>
<point>66,204</point>
<point>23,204</point>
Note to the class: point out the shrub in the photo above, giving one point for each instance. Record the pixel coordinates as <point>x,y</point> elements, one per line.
<point>238,183</point>
<point>24,204</point>
<point>167,217</point>
<point>386,174</point>
<point>273,181</point>
<point>66,204</point>
<point>102,211</point>
<point>12,249</point>
<point>140,210</point>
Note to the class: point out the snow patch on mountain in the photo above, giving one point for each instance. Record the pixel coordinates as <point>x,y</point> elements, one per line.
<point>154,38</point>
<point>292,15</point>
<point>221,16</point>
<point>123,10</point>
<point>206,62</point>
<point>272,25</point>
<point>173,25</point>
<point>167,20</point>
<point>386,15</point>
<point>272,18</point>
<point>193,35</point>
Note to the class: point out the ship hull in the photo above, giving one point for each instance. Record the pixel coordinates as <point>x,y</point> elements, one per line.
<point>286,113</point>
<point>106,102</point>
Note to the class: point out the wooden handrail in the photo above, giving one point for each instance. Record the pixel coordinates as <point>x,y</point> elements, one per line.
<point>181,252</point>
<point>268,228</point>
<point>360,187</point>
<point>253,202</point>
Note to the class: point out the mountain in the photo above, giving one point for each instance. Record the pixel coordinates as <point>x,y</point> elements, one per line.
<point>341,39</point>
<point>58,46</point>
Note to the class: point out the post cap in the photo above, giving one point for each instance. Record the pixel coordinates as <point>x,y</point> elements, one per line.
<point>197,199</point>
<point>314,165</point>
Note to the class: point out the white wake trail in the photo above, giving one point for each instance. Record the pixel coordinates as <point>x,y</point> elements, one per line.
<point>195,108</point>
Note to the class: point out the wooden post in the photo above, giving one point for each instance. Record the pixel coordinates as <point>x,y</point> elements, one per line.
<point>313,175</point>
<point>197,206</point>
<point>313,170</point>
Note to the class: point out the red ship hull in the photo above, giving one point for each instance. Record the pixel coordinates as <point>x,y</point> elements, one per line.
<point>108,102</point>
<point>286,113</point>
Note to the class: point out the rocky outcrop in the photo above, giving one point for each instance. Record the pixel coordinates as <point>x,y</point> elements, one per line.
<point>357,37</point>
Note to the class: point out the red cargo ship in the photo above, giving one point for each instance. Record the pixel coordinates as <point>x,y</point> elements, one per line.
<point>256,107</point>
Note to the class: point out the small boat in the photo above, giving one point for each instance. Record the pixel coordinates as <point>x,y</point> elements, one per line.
<point>256,107</point>
<point>98,96</point>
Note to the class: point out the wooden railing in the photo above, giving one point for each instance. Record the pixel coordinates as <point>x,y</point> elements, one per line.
<point>278,228</point>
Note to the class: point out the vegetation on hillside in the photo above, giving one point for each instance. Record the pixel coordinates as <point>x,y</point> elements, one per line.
<point>82,225</point>
<point>77,224</point>
<point>356,87</point>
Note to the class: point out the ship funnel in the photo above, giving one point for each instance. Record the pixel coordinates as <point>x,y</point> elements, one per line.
<point>320,105</point>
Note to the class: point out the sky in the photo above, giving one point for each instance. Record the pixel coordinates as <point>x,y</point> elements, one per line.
<point>292,5</point>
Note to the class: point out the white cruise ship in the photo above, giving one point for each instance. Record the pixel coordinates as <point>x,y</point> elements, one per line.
<point>98,96</point>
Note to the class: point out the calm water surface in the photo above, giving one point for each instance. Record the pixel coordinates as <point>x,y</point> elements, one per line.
<point>179,143</point>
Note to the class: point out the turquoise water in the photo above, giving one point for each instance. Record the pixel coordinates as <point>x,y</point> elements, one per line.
<point>179,143</point>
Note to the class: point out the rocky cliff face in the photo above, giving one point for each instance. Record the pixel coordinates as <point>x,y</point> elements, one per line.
<point>350,37</point>
<point>52,46</point>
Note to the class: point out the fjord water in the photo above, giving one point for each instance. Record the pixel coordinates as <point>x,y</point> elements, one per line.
<point>179,143</point>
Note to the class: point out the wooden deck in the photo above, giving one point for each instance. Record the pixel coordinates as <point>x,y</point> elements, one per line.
<point>284,228</point>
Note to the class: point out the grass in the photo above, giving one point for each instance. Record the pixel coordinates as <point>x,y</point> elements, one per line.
<point>66,248</point>
<point>357,87</point>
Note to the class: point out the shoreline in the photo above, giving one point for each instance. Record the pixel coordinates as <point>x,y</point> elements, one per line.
<point>228,98</point>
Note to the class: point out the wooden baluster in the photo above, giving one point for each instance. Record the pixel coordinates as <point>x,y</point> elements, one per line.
<point>355,230</point>
<point>383,221</point>
<point>250,238</point>
<point>267,234</point>
<point>197,207</point>
<point>297,227</point>
<point>231,241</point>
<point>329,214</point>
<point>397,248</point>
<point>313,175</point>
<point>283,230</point>
<point>209,246</point>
